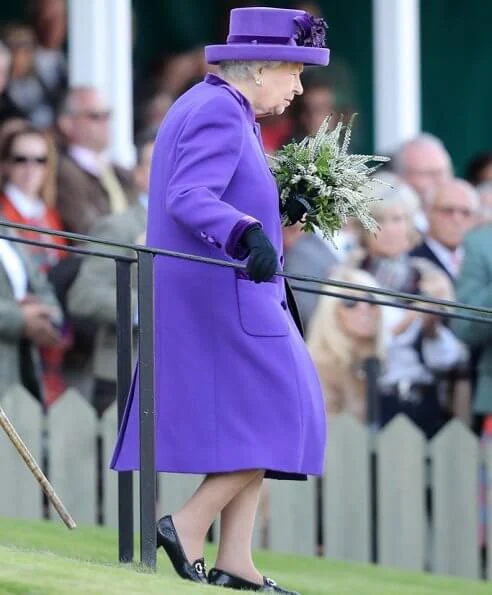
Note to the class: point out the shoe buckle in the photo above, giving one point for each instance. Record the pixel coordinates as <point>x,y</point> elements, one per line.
<point>200,568</point>
<point>270,582</point>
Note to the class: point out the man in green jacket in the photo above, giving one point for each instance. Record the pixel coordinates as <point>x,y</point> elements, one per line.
<point>474,287</point>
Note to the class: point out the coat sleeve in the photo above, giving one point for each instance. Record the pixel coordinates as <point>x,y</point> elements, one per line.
<point>93,293</point>
<point>474,287</point>
<point>208,151</point>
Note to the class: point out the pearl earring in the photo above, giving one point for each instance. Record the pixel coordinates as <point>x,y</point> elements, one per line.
<point>258,82</point>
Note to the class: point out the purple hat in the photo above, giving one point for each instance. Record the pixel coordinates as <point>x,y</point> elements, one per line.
<point>276,34</point>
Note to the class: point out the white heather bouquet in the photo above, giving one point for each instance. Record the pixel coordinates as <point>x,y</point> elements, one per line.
<point>318,179</point>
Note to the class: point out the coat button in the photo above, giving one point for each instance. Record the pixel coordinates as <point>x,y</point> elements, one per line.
<point>203,235</point>
<point>211,240</point>
<point>283,303</point>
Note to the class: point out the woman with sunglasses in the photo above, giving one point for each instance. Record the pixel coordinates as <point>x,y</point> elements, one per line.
<point>343,333</point>
<point>28,162</point>
<point>28,158</point>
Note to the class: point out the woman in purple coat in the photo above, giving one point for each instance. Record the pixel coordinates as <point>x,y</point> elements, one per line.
<point>237,396</point>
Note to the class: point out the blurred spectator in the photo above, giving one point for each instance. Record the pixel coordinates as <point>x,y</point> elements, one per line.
<point>29,318</point>
<point>474,287</point>
<point>27,94</point>
<point>89,185</point>
<point>423,162</point>
<point>484,190</point>
<point>342,334</point>
<point>318,101</point>
<point>451,212</point>
<point>420,350</point>
<point>28,159</point>
<point>150,111</point>
<point>307,254</point>
<point>7,107</point>
<point>93,294</point>
<point>49,19</point>
<point>479,169</point>
<point>178,72</point>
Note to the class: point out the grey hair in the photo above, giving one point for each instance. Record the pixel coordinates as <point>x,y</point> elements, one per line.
<point>472,191</point>
<point>393,191</point>
<point>425,138</point>
<point>240,70</point>
<point>484,187</point>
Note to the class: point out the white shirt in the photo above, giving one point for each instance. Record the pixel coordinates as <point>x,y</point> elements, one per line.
<point>440,353</point>
<point>451,259</point>
<point>29,208</point>
<point>88,160</point>
<point>14,268</point>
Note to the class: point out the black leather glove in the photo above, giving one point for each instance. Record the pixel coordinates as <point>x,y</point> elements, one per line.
<point>296,207</point>
<point>263,260</point>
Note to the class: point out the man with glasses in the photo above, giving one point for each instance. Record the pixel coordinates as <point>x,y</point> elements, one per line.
<point>451,212</point>
<point>423,163</point>
<point>89,185</point>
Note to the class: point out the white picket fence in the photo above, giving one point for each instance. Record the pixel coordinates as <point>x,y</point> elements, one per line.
<point>407,466</point>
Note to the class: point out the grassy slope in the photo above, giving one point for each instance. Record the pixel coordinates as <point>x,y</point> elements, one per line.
<point>39,558</point>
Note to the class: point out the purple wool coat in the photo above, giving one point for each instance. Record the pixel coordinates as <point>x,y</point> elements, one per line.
<point>235,387</point>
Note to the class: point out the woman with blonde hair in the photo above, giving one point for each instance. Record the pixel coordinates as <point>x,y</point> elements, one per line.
<point>342,334</point>
<point>28,158</point>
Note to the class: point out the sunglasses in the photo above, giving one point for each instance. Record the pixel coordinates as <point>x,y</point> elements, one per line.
<point>350,304</point>
<point>96,116</point>
<point>24,159</point>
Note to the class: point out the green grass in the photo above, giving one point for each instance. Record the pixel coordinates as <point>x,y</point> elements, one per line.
<point>40,558</point>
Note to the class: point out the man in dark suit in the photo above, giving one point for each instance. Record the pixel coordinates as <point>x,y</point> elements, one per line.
<point>451,213</point>
<point>89,185</point>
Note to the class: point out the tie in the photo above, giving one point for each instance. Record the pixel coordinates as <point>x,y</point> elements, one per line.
<point>117,199</point>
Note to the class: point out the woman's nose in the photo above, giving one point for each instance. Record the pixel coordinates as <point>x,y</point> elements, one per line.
<point>298,89</point>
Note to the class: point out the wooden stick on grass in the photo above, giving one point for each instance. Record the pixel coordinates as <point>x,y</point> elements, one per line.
<point>35,469</point>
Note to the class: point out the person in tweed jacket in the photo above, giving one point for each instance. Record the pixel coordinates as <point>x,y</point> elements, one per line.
<point>30,317</point>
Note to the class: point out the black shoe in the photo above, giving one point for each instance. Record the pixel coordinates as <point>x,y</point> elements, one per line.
<point>168,538</point>
<point>224,579</point>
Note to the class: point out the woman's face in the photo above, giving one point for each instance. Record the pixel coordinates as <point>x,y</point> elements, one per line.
<point>27,162</point>
<point>392,239</point>
<point>277,88</point>
<point>358,320</point>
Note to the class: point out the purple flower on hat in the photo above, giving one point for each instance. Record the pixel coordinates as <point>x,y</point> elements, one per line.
<point>312,31</point>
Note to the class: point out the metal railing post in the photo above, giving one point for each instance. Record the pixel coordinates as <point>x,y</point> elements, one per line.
<point>123,383</point>
<point>147,410</point>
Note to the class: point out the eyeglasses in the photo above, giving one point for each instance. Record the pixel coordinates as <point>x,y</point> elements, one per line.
<point>24,159</point>
<point>450,211</point>
<point>96,116</point>
<point>351,303</point>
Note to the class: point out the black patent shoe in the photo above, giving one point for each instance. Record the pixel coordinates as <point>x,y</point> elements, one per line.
<point>169,540</point>
<point>219,578</point>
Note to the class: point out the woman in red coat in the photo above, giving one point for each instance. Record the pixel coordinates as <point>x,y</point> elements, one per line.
<point>28,158</point>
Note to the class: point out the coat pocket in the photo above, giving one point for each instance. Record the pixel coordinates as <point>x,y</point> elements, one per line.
<point>261,309</point>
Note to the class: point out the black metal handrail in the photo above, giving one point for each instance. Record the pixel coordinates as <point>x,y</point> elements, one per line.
<point>144,261</point>
<point>406,297</point>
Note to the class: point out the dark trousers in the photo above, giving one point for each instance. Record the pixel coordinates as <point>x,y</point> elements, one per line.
<point>420,403</point>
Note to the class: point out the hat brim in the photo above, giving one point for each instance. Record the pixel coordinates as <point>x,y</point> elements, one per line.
<point>268,52</point>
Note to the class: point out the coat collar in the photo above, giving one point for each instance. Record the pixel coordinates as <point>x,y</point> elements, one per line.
<point>213,79</point>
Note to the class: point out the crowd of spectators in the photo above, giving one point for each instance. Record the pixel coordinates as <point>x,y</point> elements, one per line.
<point>58,310</point>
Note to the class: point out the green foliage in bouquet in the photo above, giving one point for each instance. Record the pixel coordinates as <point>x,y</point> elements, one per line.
<point>320,170</point>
